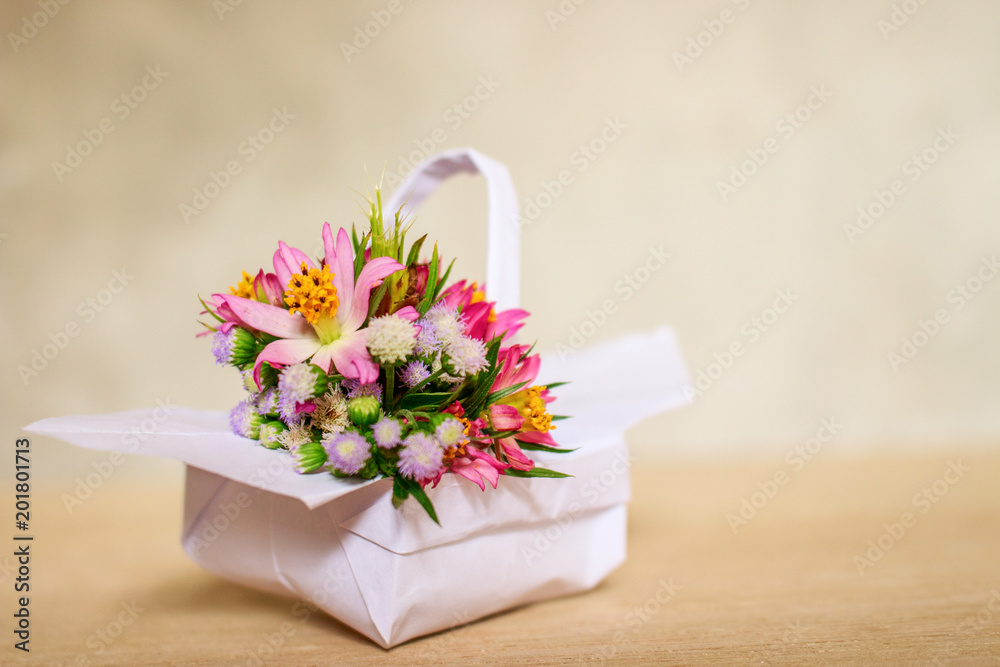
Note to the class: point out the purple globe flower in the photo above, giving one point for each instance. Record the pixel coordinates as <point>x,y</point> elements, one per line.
<point>347,451</point>
<point>421,458</point>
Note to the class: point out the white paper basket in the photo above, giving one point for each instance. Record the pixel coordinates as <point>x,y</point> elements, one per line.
<point>390,574</point>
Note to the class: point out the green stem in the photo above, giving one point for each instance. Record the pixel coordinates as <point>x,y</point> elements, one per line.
<point>390,388</point>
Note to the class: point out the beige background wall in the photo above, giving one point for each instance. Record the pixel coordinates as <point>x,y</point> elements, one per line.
<point>676,130</point>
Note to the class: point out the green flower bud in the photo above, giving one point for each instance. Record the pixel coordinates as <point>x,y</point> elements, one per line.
<point>244,349</point>
<point>310,457</point>
<point>269,432</point>
<point>268,376</point>
<point>364,410</point>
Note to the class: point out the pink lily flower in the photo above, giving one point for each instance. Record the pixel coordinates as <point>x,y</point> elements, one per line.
<point>325,326</point>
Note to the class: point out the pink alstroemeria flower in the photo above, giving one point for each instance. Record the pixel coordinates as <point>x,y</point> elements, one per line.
<point>477,466</point>
<point>335,339</point>
<point>506,417</point>
<point>482,321</point>
<point>264,287</point>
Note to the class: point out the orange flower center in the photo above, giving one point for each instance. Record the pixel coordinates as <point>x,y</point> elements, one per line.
<point>311,292</point>
<point>245,287</point>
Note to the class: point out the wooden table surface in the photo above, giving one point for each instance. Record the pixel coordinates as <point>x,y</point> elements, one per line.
<point>799,582</point>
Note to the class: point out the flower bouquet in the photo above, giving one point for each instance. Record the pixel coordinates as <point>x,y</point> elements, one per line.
<point>367,363</point>
<point>387,381</point>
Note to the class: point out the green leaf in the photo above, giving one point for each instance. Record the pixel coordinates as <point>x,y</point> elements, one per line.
<point>379,295</point>
<point>399,492</point>
<point>359,256</point>
<point>553,385</point>
<point>534,472</point>
<point>414,255</point>
<point>411,488</point>
<point>413,401</point>
<point>500,435</point>
<point>443,281</point>
<point>503,393</point>
<point>535,447</point>
<point>432,278</point>
<point>556,418</point>
<point>477,402</point>
<point>415,388</point>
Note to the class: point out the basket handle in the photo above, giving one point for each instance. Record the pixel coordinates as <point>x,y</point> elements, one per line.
<point>503,251</point>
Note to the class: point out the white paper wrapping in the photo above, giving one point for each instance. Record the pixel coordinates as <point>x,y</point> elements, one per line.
<point>394,574</point>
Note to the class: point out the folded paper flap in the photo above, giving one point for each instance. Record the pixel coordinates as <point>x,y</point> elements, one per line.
<point>616,384</point>
<point>201,439</point>
<point>612,387</point>
<point>599,480</point>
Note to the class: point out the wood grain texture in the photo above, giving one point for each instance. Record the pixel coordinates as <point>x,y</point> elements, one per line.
<point>784,588</point>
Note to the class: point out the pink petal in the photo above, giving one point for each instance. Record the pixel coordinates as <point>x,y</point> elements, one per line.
<point>340,261</point>
<point>269,319</point>
<point>528,370</point>
<point>371,275</point>
<point>469,471</point>
<point>288,260</point>
<point>456,295</point>
<point>285,352</point>
<point>517,458</point>
<point>273,290</point>
<point>507,323</point>
<point>408,313</point>
<point>506,417</point>
<point>349,355</point>
<point>476,319</point>
<point>538,438</point>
